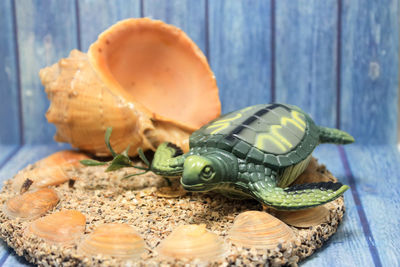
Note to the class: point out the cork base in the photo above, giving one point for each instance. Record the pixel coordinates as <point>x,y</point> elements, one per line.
<point>154,209</point>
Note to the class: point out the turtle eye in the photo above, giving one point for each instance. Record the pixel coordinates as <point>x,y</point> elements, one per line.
<point>207,173</point>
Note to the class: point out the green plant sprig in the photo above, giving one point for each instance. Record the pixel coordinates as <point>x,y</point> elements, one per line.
<point>119,160</point>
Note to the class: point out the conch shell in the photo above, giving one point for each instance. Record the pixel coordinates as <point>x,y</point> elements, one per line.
<point>145,79</point>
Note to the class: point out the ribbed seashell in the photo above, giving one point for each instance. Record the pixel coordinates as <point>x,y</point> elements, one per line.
<point>49,171</point>
<point>144,78</point>
<point>192,241</point>
<point>63,227</point>
<point>31,205</point>
<point>259,230</point>
<point>117,240</point>
<point>304,218</point>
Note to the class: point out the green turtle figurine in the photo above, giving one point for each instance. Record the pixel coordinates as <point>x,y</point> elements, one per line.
<point>256,152</point>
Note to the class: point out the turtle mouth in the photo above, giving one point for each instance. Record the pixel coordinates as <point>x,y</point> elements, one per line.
<point>196,187</point>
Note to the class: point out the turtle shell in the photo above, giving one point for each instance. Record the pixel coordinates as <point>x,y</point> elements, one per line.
<point>276,135</point>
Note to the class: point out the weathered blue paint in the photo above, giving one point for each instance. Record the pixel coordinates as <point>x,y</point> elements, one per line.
<point>347,247</point>
<point>306,57</point>
<point>96,16</point>
<point>369,237</point>
<point>187,15</point>
<point>369,70</point>
<point>376,173</point>
<point>239,51</point>
<point>10,130</point>
<point>46,32</point>
<point>312,48</point>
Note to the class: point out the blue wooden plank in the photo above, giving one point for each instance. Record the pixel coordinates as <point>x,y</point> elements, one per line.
<point>11,259</point>
<point>239,51</point>
<point>306,57</point>
<point>97,15</point>
<point>348,246</point>
<point>187,15</point>
<point>46,32</point>
<point>369,70</point>
<point>10,131</point>
<point>376,174</point>
<point>7,151</point>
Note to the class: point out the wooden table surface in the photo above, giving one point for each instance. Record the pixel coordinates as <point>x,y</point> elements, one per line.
<point>336,59</point>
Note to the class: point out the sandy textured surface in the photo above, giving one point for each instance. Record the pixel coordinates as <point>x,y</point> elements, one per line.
<point>155,210</point>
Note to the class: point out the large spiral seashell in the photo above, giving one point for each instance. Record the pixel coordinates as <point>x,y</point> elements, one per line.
<point>192,241</point>
<point>51,170</point>
<point>259,230</point>
<point>31,205</point>
<point>117,240</point>
<point>63,227</point>
<point>144,78</point>
<point>305,218</point>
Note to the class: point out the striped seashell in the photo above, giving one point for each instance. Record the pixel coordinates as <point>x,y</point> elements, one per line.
<point>63,227</point>
<point>117,240</point>
<point>192,241</point>
<point>31,205</point>
<point>259,230</point>
<point>305,218</point>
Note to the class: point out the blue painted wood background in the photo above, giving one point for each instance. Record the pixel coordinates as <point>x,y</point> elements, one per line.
<point>336,59</point>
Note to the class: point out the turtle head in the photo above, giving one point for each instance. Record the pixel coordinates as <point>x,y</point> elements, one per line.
<point>204,173</point>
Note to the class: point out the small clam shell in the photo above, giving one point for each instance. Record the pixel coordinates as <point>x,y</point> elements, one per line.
<point>192,241</point>
<point>62,227</point>
<point>171,192</point>
<point>51,170</point>
<point>118,240</point>
<point>305,218</point>
<point>259,230</point>
<point>31,205</point>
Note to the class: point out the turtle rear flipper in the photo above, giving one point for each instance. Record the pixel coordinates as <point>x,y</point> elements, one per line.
<point>335,136</point>
<point>299,196</point>
<point>168,160</point>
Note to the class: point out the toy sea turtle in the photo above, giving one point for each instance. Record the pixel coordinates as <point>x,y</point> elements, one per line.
<point>256,152</point>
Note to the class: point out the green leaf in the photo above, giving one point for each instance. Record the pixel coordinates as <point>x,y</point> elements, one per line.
<point>143,157</point>
<point>135,174</point>
<point>107,140</point>
<point>126,151</point>
<point>92,162</point>
<point>120,161</point>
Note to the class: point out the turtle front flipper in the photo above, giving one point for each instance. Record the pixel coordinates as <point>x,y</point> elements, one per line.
<point>298,196</point>
<point>168,160</point>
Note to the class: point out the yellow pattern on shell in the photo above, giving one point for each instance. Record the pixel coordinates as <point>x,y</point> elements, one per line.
<point>223,124</point>
<point>267,136</point>
<point>274,130</point>
<point>296,116</point>
<point>277,139</point>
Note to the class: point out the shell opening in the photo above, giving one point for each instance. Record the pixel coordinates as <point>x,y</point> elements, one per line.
<point>159,67</point>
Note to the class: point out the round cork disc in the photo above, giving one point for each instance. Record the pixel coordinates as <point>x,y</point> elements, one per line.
<point>154,209</point>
